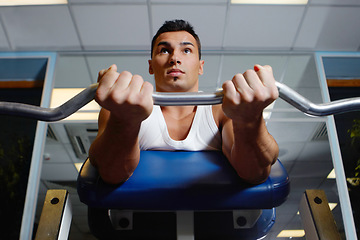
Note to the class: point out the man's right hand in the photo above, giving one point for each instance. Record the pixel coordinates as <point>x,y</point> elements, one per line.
<point>128,97</point>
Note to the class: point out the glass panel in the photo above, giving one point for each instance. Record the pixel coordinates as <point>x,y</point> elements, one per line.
<point>348,124</point>
<point>17,137</point>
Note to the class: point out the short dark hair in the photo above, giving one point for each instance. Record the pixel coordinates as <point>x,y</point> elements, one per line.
<point>175,26</point>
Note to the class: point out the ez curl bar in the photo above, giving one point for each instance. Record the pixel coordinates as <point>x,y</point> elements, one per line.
<point>176,99</point>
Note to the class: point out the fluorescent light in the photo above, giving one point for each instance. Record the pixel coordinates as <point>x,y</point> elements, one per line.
<point>83,117</point>
<point>78,166</point>
<point>291,233</point>
<point>331,174</point>
<point>89,112</point>
<point>31,2</point>
<point>285,2</point>
<point>331,206</point>
<point>60,95</point>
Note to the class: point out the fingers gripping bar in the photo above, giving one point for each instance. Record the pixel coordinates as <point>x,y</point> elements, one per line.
<point>176,99</point>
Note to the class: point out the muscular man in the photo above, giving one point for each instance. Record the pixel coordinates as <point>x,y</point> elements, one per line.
<point>128,121</point>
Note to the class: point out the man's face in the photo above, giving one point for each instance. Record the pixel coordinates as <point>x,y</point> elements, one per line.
<point>175,63</point>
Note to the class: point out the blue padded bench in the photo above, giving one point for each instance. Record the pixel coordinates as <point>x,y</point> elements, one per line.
<point>166,182</point>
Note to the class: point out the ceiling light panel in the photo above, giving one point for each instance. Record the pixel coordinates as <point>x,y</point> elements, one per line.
<point>332,174</point>
<point>31,2</point>
<point>285,2</point>
<point>60,95</point>
<point>291,233</point>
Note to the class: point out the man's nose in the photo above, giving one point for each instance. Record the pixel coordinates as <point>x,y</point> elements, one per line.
<point>174,60</point>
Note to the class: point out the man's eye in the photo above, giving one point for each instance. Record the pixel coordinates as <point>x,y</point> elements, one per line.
<point>187,51</point>
<point>164,50</point>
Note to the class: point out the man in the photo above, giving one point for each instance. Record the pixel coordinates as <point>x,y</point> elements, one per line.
<point>128,115</point>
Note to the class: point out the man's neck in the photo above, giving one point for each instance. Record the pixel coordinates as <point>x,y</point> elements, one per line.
<point>178,112</point>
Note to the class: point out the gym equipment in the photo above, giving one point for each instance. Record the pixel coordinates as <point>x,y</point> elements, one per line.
<point>176,99</point>
<point>199,189</point>
<point>165,185</point>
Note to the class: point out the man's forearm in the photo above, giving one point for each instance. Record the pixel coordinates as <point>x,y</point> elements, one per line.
<point>253,152</point>
<point>115,152</point>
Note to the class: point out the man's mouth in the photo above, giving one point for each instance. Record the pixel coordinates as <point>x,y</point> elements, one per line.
<point>175,72</point>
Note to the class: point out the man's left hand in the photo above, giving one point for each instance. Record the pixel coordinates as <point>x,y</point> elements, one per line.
<point>248,94</point>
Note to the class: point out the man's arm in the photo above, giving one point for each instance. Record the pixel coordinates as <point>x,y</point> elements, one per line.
<point>246,142</point>
<point>126,102</point>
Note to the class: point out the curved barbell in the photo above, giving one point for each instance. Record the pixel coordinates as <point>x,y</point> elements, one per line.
<point>176,99</point>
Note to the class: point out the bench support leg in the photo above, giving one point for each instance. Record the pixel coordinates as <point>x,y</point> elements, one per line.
<point>56,215</point>
<point>316,217</point>
<point>185,225</point>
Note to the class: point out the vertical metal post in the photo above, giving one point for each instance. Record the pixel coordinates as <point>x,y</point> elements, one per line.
<point>316,216</point>
<point>185,225</point>
<point>55,217</point>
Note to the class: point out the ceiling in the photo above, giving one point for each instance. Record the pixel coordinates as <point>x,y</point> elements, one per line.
<point>123,24</point>
<point>90,35</point>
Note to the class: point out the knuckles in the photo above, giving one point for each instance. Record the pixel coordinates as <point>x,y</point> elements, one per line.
<point>249,72</point>
<point>274,93</point>
<point>126,74</point>
<point>269,68</point>
<point>255,91</point>
<point>114,96</point>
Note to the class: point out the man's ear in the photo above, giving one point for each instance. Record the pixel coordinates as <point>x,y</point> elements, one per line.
<point>201,67</point>
<point>151,71</point>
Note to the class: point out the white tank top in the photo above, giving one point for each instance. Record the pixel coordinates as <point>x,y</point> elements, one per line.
<point>204,134</point>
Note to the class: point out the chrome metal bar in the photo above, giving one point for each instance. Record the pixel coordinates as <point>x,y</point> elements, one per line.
<point>187,98</point>
<point>310,108</point>
<point>50,114</point>
<point>177,99</point>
